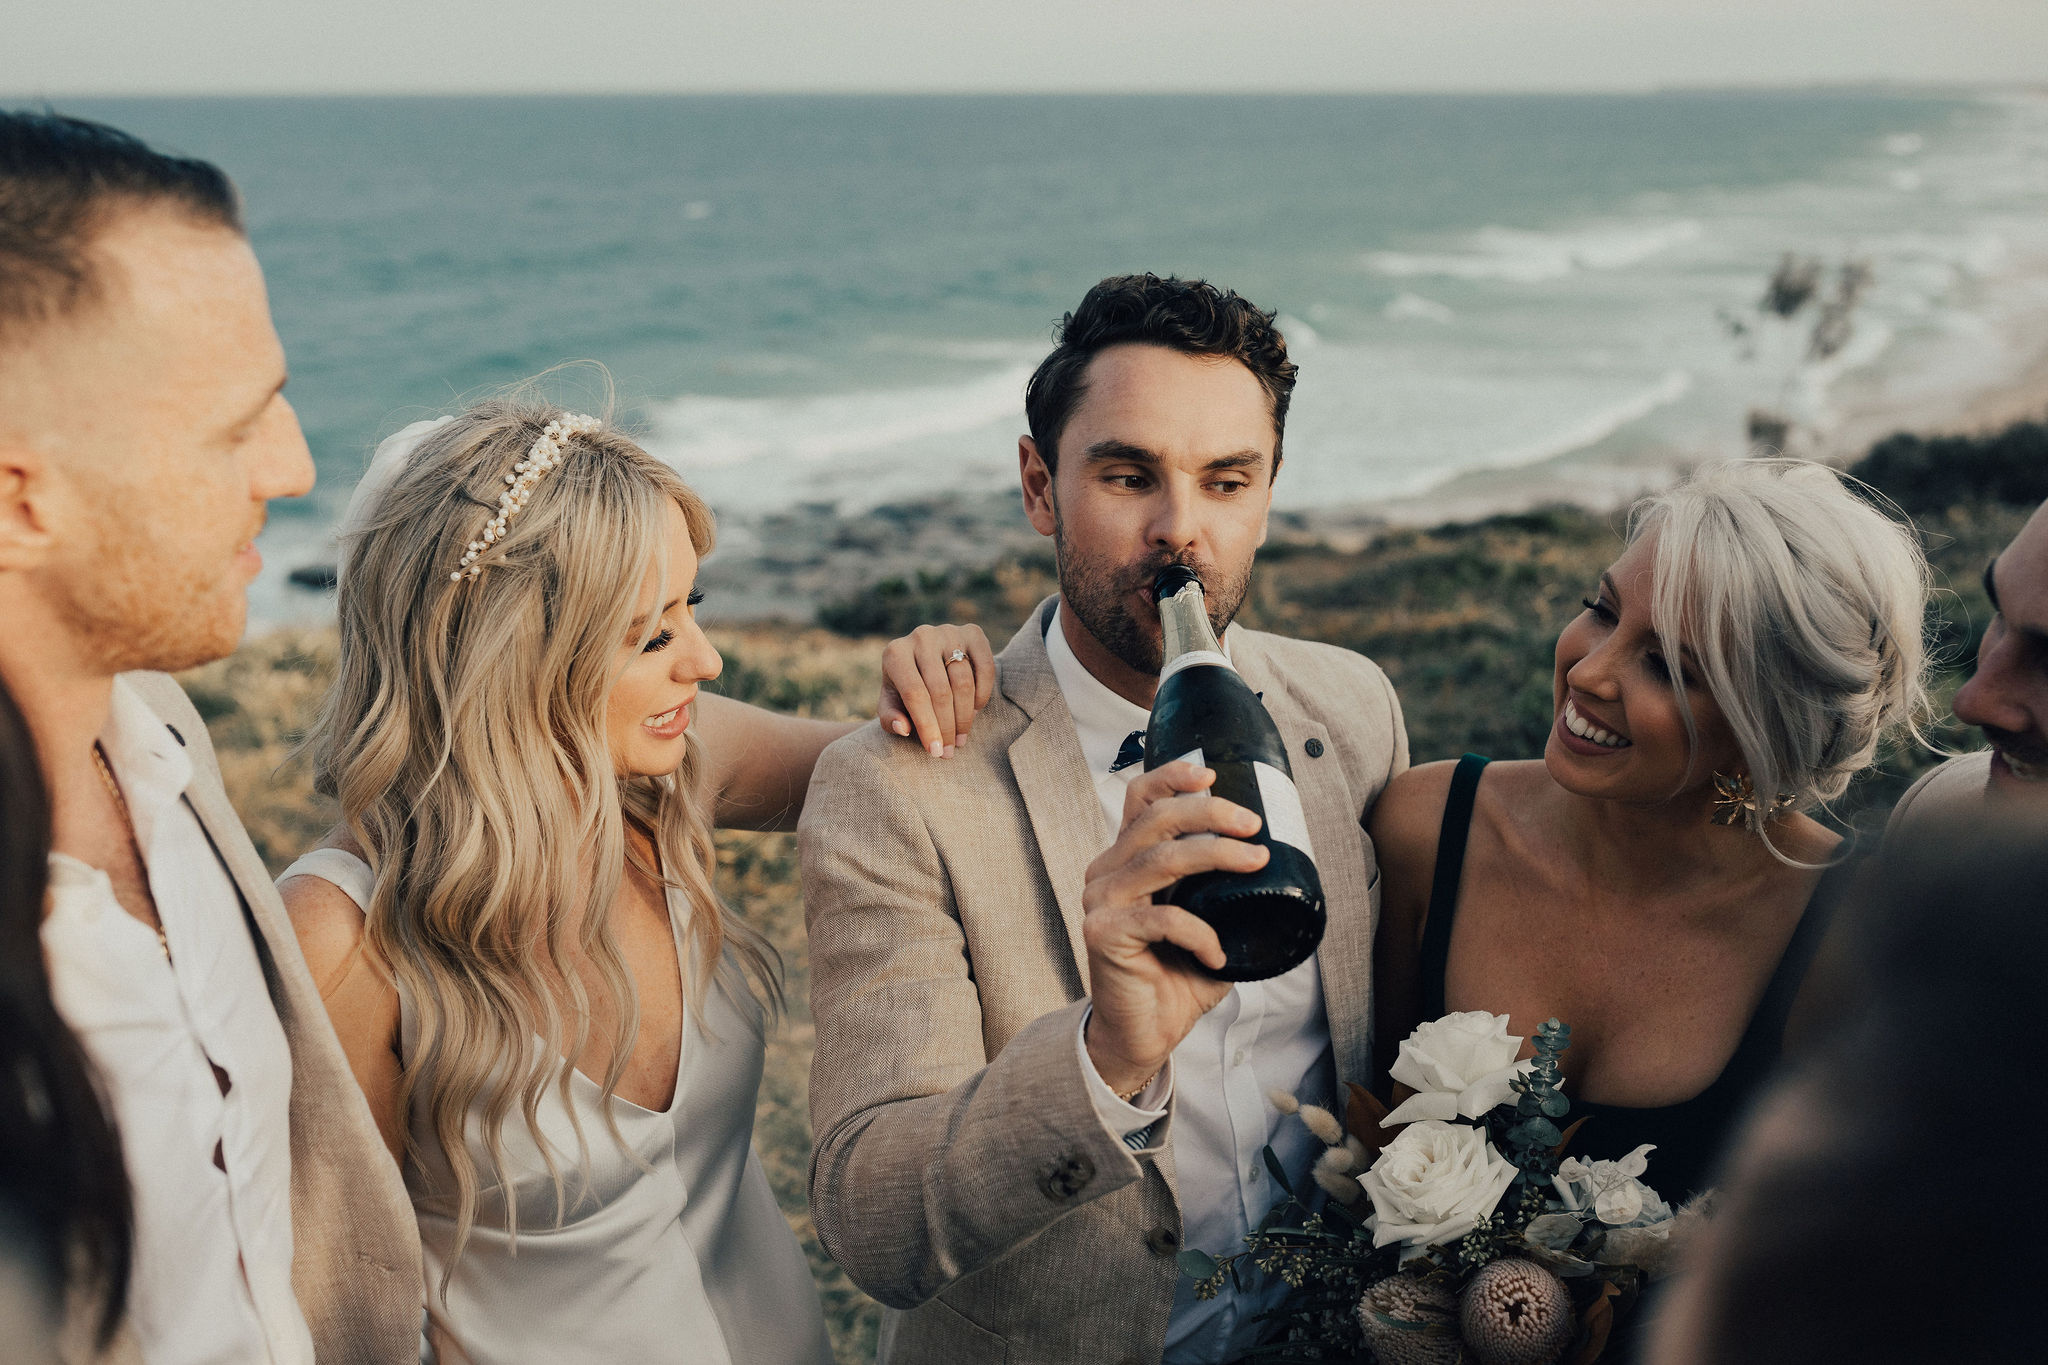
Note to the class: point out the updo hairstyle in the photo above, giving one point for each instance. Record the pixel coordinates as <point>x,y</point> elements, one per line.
<point>1802,605</point>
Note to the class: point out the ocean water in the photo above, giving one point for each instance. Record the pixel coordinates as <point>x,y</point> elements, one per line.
<point>837,300</point>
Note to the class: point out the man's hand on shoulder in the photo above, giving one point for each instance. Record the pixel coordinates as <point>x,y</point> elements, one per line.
<point>1145,992</point>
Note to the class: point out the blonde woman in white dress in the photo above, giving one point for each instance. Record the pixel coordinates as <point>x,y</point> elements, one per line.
<point>557,1024</point>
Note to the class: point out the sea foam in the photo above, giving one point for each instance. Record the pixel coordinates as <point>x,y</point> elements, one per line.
<point>1523,257</point>
<point>1407,305</point>
<point>697,432</point>
<point>1593,427</point>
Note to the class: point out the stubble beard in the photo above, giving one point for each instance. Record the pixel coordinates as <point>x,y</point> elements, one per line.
<point>147,606</point>
<point>1099,594</point>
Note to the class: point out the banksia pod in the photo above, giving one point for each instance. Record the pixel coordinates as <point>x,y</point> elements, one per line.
<point>1408,1322</point>
<point>1515,1312</point>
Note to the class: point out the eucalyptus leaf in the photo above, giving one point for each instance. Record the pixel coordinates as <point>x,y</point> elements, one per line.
<point>1197,1265</point>
<point>1555,1231</point>
<point>1556,1105</point>
<point>1280,1175</point>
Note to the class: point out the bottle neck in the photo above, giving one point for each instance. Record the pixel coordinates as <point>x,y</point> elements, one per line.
<point>1184,625</point>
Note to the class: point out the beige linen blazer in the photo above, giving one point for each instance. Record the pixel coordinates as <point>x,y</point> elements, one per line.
<point>355,1246</point>
<point>1955,788</point>
<point>961,1175</point>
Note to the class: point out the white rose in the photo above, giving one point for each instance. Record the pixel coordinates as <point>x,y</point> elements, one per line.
<point>1434,1183</point>
<point>1459,1064</point>
<point>1612,1190</point>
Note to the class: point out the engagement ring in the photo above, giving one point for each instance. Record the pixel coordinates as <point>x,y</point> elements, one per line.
<point>958,656</point>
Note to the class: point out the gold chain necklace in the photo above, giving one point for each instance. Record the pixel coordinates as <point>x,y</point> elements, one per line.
<point>99,761</point>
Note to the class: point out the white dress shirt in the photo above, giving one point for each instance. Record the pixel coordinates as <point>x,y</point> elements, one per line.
<point>213,1248</point>
<point>1263,1036</point>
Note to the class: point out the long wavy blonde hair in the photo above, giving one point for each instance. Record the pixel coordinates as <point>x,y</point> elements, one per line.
<point>465,740</point>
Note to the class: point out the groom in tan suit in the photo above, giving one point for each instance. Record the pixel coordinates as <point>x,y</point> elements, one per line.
<point>143,430</point>
<point>1023,1112</point>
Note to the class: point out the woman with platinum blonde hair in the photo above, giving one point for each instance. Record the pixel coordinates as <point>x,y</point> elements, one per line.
<point>558,1026</point>
<point>1657,879</point>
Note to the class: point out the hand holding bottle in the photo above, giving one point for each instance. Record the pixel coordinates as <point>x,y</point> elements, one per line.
<point>1144,981</point>
<point>1270,922</point>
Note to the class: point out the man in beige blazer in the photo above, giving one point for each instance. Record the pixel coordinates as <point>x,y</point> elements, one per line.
<point>1022,1112</point>
<point>142,432</point>
<point>2007,697</point>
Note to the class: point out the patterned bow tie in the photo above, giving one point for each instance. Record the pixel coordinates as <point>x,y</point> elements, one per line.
<point>1132,751</point>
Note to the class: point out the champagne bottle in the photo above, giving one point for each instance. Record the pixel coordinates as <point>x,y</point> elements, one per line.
<point>1271,920</point>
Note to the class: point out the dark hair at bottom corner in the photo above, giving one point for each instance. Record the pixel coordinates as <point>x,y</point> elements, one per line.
<point>63,1183</point>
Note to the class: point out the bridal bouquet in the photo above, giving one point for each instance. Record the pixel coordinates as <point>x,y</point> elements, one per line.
<point>1456,1229</point>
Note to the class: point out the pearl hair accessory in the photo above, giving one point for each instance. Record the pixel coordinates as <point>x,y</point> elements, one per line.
<point>541,459</point>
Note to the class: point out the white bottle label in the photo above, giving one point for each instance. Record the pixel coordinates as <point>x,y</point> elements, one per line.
<point>1285,820</point>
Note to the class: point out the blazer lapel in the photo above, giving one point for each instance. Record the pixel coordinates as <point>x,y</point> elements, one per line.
<point>1344,960</point>
<point>356,1254</point>
<point>251,878</point>
<point>1053,777</point>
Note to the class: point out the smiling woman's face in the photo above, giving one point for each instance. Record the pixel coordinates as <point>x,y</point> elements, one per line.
<point>648,713</point>
<point>1617,731</point>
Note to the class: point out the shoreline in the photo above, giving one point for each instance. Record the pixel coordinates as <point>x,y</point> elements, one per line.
<point>781,567</point>
<point>778,568</point>
<point>1884,403</point>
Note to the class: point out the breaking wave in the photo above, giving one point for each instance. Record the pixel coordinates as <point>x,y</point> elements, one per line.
<point>1523,257</point>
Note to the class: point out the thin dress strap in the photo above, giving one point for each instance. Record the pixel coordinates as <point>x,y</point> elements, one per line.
<point>1443,889</point>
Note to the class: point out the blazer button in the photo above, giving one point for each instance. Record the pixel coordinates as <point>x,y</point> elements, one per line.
<point>1066,1177</point>
<point>1163,1241</point>
<point>1313,748</point>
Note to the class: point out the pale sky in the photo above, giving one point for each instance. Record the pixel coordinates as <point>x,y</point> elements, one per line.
<point>60,48</point>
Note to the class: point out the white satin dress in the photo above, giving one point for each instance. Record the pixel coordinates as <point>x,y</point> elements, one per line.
<point>687,1262</point>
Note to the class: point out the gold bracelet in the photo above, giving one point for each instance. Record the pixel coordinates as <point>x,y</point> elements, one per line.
<point>1128,1095</point>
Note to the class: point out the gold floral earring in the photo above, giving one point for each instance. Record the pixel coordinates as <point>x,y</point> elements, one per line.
<point>1735,798</point>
